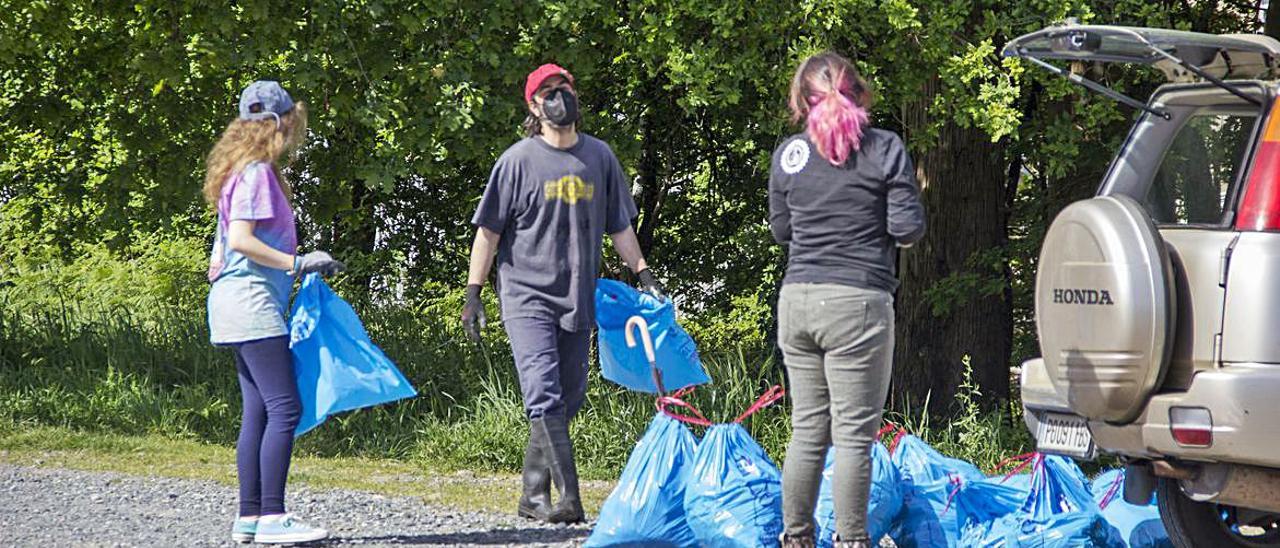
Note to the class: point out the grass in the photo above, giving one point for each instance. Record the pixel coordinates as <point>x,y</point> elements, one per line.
<point>112,371</point>
<point>115,371</point>
<point>983,437</point>
<point>156,455</point>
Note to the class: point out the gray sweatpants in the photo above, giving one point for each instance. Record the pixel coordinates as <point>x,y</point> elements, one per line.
<point>837,342</point>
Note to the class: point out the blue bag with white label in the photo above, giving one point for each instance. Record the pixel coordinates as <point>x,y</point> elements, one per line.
<point>1059,512</point>
<point>647,506</point>
<point>733,497</point>
<point>981,503</point>
<point>675,355</point>
<point>336,366</point>
<point>1139,526</point>
<point>882,506</point>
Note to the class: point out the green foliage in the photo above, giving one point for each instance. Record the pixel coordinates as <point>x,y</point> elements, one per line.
<point>117,352</point>
<point>740,325</point>
<point>983,277</point>
<point>151,271</point>
<point>106,110</point>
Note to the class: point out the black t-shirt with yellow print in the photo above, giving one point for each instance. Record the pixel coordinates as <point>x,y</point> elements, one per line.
<point>552,208</point>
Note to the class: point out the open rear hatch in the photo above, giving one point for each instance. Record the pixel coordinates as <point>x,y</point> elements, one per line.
<point>1182,56</point>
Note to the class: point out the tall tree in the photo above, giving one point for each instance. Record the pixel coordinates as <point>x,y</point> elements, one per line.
<point>1271,21</point>
<point>958,108</point>
<point>949,309</point>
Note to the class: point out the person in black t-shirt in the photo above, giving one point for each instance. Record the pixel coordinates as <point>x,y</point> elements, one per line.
<point>548,203</point>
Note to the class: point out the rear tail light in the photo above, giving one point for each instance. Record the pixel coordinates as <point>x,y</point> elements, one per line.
<point>1191,426</point>
<point>1260,208</point>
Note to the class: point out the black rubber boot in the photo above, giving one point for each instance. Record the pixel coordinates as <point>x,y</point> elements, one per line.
<point>535,501</point>
<point>563,470</point>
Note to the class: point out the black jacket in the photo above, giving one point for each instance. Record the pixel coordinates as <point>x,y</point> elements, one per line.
<point>842,222</point>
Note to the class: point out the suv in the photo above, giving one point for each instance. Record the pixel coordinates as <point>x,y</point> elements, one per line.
<point>1154,299</point>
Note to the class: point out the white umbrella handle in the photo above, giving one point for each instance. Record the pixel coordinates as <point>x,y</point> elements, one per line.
<point>637,321</point>
<point>643,325</point>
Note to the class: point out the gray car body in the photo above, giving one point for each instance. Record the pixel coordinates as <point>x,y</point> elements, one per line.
<point>1223,356</point>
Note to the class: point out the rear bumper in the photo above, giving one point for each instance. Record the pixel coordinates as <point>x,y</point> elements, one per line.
<point>1038,394</point>
<point>1243,399</point>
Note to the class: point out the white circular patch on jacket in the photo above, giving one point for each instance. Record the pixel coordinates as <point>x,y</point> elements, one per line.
<point>795,156</point>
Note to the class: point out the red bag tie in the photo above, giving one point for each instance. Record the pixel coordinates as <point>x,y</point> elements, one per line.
<point>1023,460</point>
<point>1111,493</point>
<point>957,482</point>
<point>769,398</point>
<point>893,445</point>
<point>661,402</point>
<point>1039,460</point>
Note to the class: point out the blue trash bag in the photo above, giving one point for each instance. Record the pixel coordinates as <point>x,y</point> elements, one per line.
<point>1139,526</point>
<point>733,497</point>
<point>1021,481</point>
<point>336,365</point>
<point>882,506</point>
<point>1059,512</point>
<point>981,503</point>
<point>676,355</point>
<point>930,481</point>
<point>647,506</point>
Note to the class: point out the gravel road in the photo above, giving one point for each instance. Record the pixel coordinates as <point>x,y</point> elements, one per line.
<point>53,507</point>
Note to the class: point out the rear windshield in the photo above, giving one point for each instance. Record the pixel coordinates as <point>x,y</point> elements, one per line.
<point>1194,180</point>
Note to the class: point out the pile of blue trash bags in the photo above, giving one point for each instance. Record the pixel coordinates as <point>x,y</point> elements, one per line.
<point>677,491</point>
<point>725,491</point>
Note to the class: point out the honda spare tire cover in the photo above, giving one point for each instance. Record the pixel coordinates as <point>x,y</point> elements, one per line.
<point>1105,307</point>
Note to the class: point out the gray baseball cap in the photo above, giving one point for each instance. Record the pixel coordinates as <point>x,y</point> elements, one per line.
<point>263,100</point>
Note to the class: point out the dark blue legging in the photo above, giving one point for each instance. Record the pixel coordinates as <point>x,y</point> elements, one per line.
<point>271,411</point>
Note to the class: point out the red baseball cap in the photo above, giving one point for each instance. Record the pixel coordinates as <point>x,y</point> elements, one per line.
<point>539,75</point>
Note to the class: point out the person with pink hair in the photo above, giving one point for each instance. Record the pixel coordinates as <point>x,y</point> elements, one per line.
<point>842,198</point>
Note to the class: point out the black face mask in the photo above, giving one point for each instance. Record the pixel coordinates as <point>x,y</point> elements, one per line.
<point>560,108</point>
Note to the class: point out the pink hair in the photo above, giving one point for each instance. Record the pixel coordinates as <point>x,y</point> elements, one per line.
<point>829,95</point>
<point>835,124</point>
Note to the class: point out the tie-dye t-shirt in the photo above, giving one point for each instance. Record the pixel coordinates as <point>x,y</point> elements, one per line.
<point>248,301</point>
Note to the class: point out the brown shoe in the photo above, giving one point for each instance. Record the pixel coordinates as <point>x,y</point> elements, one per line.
<point>863,542</point>
<point>797,542</point>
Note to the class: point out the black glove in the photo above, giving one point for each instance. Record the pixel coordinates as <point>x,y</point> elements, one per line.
<point>650,284</point>
<point>317,261</point>
<point>473,318</point>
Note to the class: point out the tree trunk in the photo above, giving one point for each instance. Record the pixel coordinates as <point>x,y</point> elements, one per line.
<point>1271,25</point>
<point>964,177</point>
<point>359,230</point>
<point>650,177</point>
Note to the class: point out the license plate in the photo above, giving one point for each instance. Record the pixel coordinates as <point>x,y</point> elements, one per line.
<point>1063,434</point>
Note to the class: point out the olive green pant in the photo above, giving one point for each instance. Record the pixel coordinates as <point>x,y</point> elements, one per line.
<point>837,342</point>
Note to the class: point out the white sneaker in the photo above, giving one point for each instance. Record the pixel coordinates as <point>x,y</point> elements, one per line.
<point>286,529</point>
<point>242,530</point>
